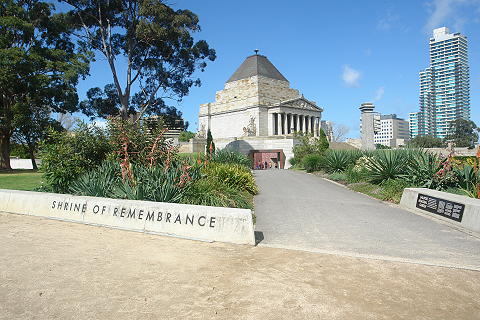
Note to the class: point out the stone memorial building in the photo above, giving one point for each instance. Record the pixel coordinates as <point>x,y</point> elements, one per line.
<point>257,113</point>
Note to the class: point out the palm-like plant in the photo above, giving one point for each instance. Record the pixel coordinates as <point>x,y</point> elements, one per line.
<point>386,164</point>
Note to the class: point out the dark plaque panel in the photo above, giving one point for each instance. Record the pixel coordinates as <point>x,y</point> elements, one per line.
<point>444,208</point>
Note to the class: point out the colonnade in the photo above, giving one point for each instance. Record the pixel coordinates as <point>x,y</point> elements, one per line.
<point>288,123</point>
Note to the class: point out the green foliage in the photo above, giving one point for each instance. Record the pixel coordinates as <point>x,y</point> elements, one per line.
<point>340,160</point>
<point>156,43</point>
<point>353,175</point>
<point>155,183</point>
<point>379,146</point>
<point>425,142</point>
<point>19,150</point>
<point>65,156</point>
<point>294,162</point>
<point>233,175</point>
<point>140,143</point>
<point>210,191</point>
<point>392,190</point>
<point>185,136</point>
<point>100,182</point>
<point>309,145</point>
<point>338,176</point>
<point>312,162</point>
<point>422,168</point>
<point>387,164</point>
<point>39,67</point>
<point>468,179</point>
<point>210,144</point>
<point>323,143</point>
<point>463,133</point>
<point>231,156</point>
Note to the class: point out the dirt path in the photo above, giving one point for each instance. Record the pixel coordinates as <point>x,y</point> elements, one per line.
<point>59,270</point>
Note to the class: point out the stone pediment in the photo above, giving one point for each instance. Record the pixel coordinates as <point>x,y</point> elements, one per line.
<point>300,103</point>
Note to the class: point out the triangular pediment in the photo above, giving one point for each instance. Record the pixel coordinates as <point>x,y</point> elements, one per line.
<point>300,103</point>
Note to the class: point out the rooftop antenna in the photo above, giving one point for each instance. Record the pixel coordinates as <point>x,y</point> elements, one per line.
<point>256,51</point>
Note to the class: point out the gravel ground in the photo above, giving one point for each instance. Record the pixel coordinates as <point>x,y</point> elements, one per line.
<point>58,270</point>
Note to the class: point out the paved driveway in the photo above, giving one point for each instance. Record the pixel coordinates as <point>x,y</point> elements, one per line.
<point>301,211</point>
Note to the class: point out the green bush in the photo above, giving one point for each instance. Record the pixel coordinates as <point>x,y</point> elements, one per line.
<point>156,183</point>
<point>210,191</point>
<point>387,164</point>
<point>231,156</point>
<point>185,136</point>
<point>392,190</point>
<point>233,175</point>
<point>312,162</point>
<point>422,168</point>
<point>338,176</point>
<point>99,182</point>
<point>340,160</point>
<point>65,156</point>
<point>354,175</point>
<point>309,145</point>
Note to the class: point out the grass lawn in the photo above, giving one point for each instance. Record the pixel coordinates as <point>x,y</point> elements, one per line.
<point>20,179</point>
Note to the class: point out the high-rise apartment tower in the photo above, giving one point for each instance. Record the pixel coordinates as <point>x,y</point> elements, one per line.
<point>444,86</point>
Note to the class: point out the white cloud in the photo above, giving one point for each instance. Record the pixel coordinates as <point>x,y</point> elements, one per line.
<point>379,93</point>
<point>350,76</point>
<point>446,11</point>
<point>388,21</point>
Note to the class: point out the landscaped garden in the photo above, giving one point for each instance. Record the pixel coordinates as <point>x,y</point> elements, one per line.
<point>384,174</point>
<point>136,162</point>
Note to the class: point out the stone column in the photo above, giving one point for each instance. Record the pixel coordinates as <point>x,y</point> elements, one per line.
<point>288,116</point>
<point>284,131</point>
<point>306,124</point>
<point>317,127</point>
<point>279,123</point>
<point>295,122</point>
<point>271,124</point>
<point>312,125</point>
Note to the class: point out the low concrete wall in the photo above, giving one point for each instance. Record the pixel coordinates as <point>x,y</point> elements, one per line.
<point>455,209</point>
<point>189,221</point>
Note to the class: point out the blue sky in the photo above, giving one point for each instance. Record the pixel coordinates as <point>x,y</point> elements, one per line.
<point>337,53</point>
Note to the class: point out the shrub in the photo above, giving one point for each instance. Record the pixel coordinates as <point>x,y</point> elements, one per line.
<point>392,190</point>
<point>294,161</point>
<point>422,168</point>
<point>387,164</point>
<point>210,191</point>
<point>65,156</point>
<point>233,175</point>
<point>339,160</point>
<point>231,156</point>
<point>312,162</point>
<point>99,182</point>
<point>468,179</point>
<point>309,145</point>
<point>185,136</point>
<point>156,183</point>
<point>356,174</point>
<point>338,176</point>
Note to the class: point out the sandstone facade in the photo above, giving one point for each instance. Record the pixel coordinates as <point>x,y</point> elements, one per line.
<point>257,104</point>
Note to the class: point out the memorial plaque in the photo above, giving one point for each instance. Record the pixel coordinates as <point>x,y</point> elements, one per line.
<point>445,208</point>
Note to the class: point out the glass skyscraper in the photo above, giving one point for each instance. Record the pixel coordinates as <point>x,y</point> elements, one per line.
<point>444,86</point>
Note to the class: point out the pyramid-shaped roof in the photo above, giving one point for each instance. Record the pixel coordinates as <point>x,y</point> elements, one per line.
<point>256,65</point>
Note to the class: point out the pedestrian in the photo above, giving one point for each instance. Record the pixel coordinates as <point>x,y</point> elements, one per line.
<point>266,165</point>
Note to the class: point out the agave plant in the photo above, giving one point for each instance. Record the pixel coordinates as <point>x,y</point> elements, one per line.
<point>386,164</point>
<point>422,168</point>
<point>231,156</point>
<point>339,160</point>
<point>468,179</point>
<point>99,182</point>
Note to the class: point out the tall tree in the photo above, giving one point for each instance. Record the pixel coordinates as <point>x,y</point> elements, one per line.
<point>33,125</point>
<point>464,133</point>
<point>154,41</point>
<point>39,66</point>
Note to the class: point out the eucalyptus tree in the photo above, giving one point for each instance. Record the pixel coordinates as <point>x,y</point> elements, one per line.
<point>150,50</point>
<point>39,66</point>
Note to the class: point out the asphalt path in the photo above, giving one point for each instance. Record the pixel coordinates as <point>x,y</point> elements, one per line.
<point>301,211</point>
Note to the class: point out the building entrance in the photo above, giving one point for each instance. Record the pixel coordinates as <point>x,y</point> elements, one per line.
<point>267,159</point>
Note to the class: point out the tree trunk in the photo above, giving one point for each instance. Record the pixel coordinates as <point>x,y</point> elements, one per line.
<point>32,157</point>
<point>5,151</point>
